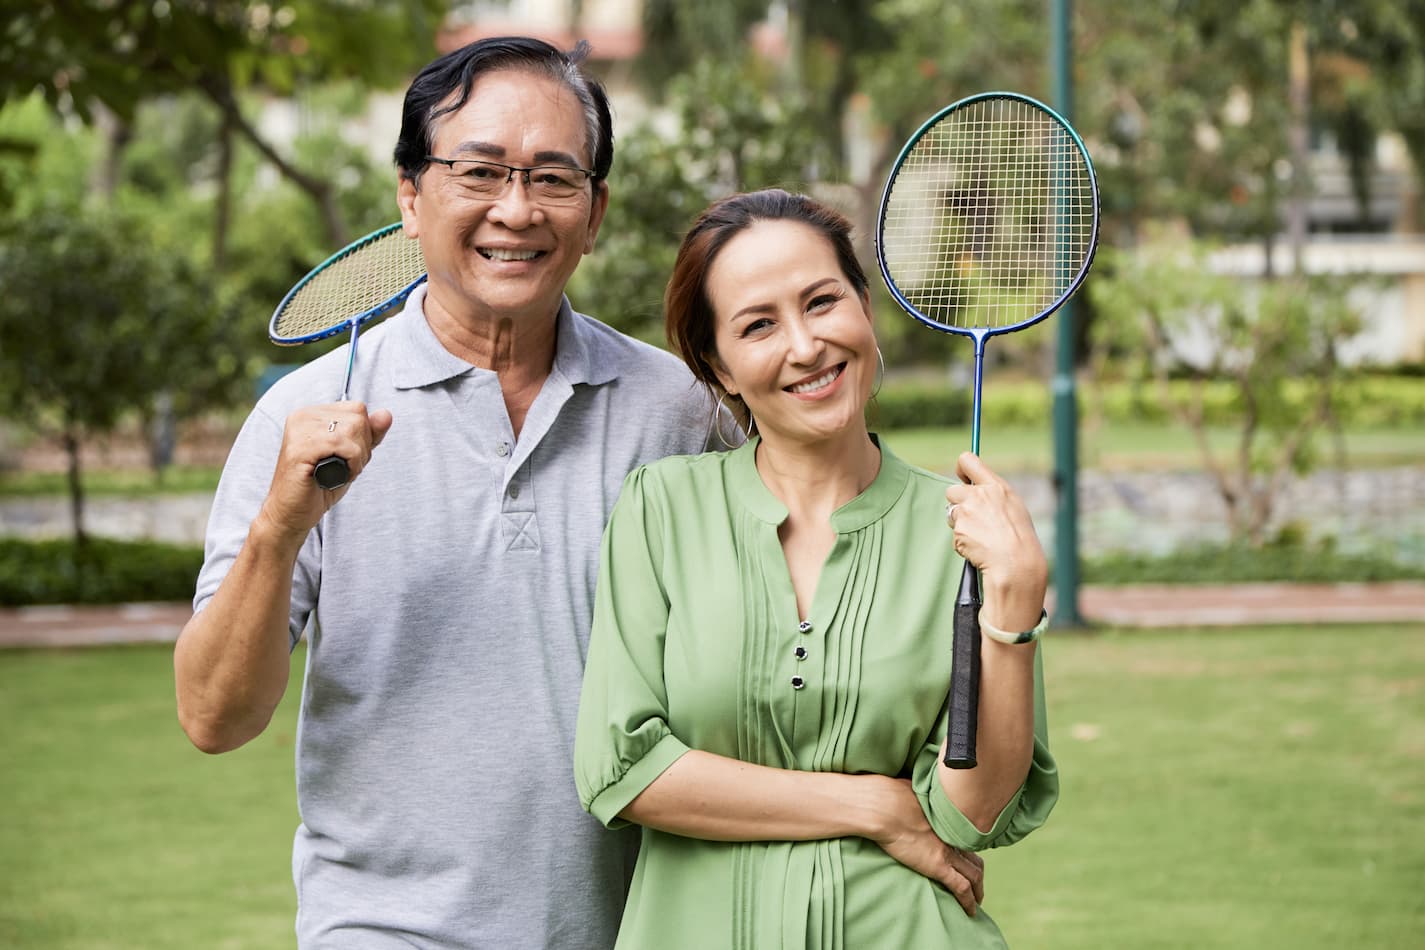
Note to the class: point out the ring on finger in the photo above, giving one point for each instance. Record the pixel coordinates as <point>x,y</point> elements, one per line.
<point>950,514</point>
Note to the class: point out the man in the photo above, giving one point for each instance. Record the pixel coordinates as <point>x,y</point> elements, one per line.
<point>449,585</point>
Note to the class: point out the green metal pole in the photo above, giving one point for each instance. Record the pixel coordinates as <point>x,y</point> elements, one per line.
<point>1066,417</point>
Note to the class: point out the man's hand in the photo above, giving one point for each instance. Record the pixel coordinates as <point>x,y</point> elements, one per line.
<point>907,837</point>
<point>295,503</point>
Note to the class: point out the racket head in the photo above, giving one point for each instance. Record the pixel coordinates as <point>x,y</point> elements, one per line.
<point>367,279</point>
<point>989,219</point>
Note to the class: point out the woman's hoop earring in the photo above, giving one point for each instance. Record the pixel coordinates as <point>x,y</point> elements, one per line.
<point>880,373</point>
<point>718,410</point>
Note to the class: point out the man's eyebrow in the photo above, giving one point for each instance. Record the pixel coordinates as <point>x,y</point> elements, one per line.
<point>555,157</point>
<point>491,150</point>
<point>487,149</point>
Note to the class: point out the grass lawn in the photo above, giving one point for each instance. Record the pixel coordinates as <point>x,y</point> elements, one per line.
<point>1255,789</point>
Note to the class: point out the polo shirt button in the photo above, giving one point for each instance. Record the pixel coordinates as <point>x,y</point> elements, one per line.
<point>804,627</point>
<point>798,682</point>
<point>514,491</point>
<point>503,449</point>
<point>800,653</point>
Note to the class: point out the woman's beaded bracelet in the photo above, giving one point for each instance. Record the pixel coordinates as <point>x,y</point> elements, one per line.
<point>1003,636</point>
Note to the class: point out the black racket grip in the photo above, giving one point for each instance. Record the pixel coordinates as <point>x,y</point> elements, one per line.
<point>332,472</point>
<point>964,699</point>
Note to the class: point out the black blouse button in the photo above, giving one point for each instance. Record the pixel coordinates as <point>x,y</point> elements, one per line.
<point>798,682</point>
<point>804,627</point>
<point>800,653</point>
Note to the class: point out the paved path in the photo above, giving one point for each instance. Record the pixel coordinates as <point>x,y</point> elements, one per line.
<point>1143,606</point>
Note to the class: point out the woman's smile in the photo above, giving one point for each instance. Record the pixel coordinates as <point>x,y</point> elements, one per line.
<point>819,386</point>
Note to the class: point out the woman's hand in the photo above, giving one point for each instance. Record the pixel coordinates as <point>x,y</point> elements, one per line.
<point>994,532</point>
<point>905,835</point>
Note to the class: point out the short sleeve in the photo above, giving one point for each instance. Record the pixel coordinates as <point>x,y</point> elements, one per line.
<point>241,491</point>
<point>622,741</point>
<point>1026,810</point>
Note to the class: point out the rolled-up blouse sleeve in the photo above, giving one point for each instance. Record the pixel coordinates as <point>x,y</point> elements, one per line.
<point>622,742</point>
<point>1027,808</point>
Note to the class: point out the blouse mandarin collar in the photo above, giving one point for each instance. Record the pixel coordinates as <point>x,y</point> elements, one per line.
<point>421,360</point>
<point>865,509</point>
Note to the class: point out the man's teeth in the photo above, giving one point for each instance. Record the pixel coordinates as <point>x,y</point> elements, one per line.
<point>822,380</point>
<point>503,254</point>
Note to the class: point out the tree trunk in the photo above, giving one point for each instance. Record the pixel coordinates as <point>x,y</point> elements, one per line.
<point>76,487</point>
<point>117,132</point>
<point>319,189</point>
<point>1299,93</point>
<point>222,211</point>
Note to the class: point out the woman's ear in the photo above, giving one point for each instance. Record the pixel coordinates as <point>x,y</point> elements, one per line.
<point>721,373</point>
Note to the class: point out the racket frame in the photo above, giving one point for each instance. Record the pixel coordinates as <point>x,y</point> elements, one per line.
<point>381,309</point>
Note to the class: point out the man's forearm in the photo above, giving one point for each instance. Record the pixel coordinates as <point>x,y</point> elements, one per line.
<point>232,659</point>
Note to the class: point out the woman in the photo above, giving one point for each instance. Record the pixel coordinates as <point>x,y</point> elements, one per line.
<point>771,645</point>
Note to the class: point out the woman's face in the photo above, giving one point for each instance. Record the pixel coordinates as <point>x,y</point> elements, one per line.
<point>793,337</point>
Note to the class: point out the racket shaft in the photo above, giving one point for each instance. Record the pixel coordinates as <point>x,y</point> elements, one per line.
<point>333,471</point>
<point>964,703</point>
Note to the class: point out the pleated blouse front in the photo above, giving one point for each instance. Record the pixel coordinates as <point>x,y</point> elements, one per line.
<point>697,644</point>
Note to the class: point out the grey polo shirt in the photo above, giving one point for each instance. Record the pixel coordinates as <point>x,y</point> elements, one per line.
<point>450,593</point>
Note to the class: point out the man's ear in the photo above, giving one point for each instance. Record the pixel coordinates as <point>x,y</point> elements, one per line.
<point>406,195</point>
<point>596,214</point>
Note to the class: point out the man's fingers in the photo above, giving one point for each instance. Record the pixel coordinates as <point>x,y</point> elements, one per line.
<point>380,425</point>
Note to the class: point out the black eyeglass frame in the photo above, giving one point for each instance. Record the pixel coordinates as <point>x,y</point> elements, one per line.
<point>589,174</point>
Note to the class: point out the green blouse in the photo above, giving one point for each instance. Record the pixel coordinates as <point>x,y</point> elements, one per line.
<point>697,644</point>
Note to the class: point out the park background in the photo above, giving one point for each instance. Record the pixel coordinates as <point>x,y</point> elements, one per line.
<point>1248,356</point>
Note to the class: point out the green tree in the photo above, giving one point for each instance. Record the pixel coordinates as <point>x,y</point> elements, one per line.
<point>83,54</point>
<point>96,321</point>
<point>1169,320</point>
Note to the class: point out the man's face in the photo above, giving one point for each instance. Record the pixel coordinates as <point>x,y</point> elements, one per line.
<point>507,257</point>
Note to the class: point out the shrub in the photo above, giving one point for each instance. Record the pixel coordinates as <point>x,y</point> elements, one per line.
<point>104,571</point>
<point>1285,560</point>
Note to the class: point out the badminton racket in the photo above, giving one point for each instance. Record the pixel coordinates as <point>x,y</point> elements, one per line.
<point>988,223</point>
<point>366,280</point>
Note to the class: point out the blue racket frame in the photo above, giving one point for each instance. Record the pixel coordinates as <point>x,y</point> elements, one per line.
<point>978,334</point>
<point>379,310</point>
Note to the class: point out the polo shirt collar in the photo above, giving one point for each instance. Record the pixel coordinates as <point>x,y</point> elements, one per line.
<point>421,360</point>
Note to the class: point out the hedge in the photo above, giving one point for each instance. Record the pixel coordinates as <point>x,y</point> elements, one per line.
<point>107,572</point>
<point>1376,402</point>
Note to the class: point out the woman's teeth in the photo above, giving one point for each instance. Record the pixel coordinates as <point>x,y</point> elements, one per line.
<point>824,379</point>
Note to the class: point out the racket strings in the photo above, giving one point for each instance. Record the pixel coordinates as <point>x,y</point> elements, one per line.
<point>365,277</point>
<point>990,216</point>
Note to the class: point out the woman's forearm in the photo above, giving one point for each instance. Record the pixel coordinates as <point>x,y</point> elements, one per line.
<point>1005,735</point>
<point>716,798</point>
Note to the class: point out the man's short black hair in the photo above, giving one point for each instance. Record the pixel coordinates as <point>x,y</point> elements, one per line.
<point>455,73</point>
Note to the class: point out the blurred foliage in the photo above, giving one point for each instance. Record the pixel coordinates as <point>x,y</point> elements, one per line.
<point>1165,314</point>
<point>1376,401</point>
<point>1284,559</point>
<point>100,318</point>
<point>120,53</point>
<point>102,571</point>
<point>108,571</point>
<point>155,104</point>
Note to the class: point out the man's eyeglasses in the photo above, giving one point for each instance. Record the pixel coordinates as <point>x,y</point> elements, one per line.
<point>489,181</point>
